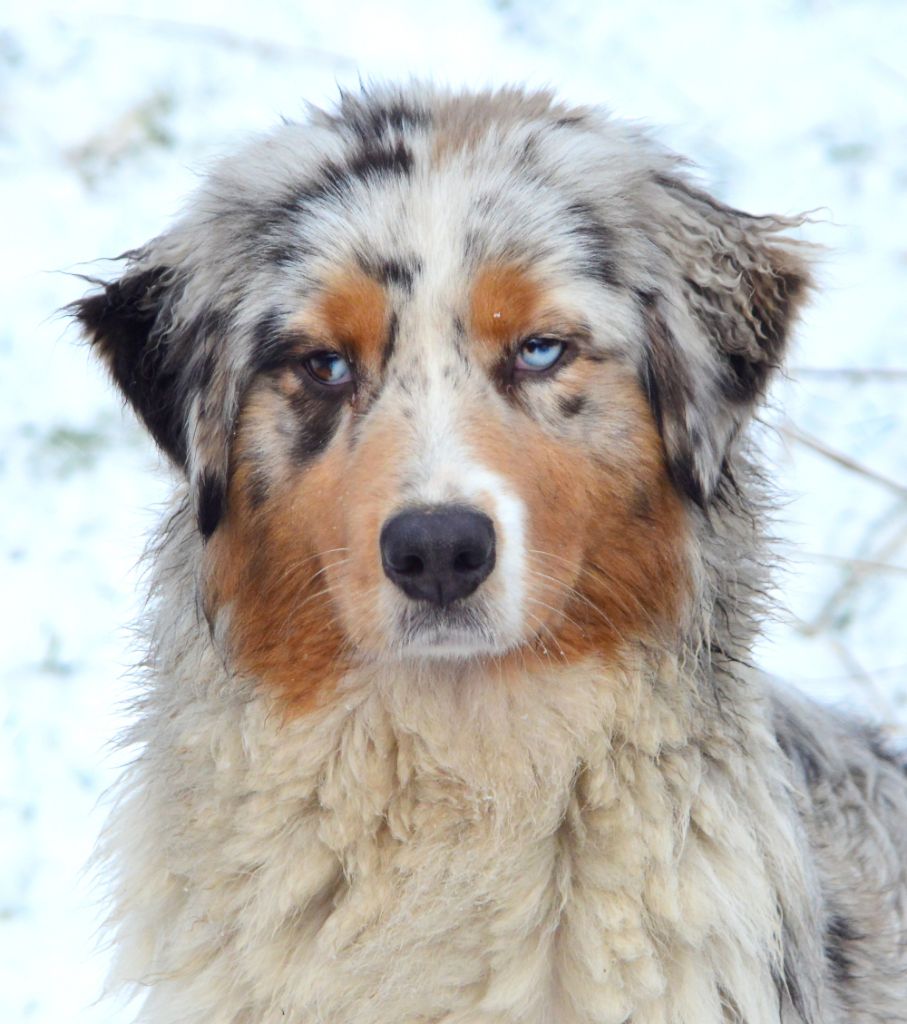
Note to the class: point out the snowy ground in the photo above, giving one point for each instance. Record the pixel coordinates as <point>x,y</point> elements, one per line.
<point>105,118</point>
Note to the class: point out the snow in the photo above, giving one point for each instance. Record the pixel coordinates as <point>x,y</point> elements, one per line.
<point>108,111</point>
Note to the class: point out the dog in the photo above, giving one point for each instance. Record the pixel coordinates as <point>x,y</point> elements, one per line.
<point>448,713</point>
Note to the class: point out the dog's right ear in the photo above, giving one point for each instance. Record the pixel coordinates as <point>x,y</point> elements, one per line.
<point>166,365</point>
<point>127,323</point>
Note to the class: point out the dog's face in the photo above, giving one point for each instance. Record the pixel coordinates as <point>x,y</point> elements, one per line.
<point>448,377</point>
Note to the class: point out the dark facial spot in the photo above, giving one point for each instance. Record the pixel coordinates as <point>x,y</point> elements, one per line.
<point>258,488</point>
<point>572,405</point>
<point>391,343</point>
<point>400,273</point>
<point>375,161</point>
<point>268,343</point>
<point>374,123</point>
<point>370,161</point>
<point>212,501</point>
<point>642,504</point>
<point>599,243</point>
<point>317,417</point>
<point>282,253</point>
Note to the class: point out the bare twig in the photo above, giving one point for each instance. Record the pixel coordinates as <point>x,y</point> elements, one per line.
<point>788,429</point>
<point>855,576</point>
<point>894,375</point>
<point>857,563</point>
<point>864,678</point>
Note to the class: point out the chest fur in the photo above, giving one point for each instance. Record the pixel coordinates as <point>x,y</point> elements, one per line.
<point>380,868</point>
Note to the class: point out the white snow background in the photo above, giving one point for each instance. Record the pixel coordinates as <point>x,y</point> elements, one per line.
<point>109,111</point>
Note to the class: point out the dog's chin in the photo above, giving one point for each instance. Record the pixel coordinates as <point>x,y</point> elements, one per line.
<point>457,633</point>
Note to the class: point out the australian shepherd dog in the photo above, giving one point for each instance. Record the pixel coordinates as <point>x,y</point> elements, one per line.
<point>448,714</point>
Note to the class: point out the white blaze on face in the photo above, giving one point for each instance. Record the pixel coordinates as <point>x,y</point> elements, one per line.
<point>445,472</point>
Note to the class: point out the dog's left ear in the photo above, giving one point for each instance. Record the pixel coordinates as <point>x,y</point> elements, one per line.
<point>726,290</point>
<point>165,364</point>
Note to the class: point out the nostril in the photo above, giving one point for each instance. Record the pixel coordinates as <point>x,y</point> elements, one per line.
<point>469,559</point>
<point>409,565</point>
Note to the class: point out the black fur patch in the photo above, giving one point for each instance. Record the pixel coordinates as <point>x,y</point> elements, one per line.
<point>391,343</point>
<point>572,405</point>
<point>374,161</point>
<point>212,502</point>
<point>401,273</point>
<point>317,417</point>
<point>269,344</point>
<point>599,241</point>
<point>371,161</point>
<point>258,488</point>
<point>838,933</point>
<point>665,382</point>
<point>374,123</point>
<point>571,120</point>
<point>124,322</point>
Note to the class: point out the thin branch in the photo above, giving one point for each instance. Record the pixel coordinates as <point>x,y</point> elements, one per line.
<point>893,375</point>
<point>855,563</point>
<point>854,578</point>
<point>788,429</point>
<point>865,680</point>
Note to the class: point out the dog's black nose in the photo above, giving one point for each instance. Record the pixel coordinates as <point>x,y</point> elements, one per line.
<point>438,554</point>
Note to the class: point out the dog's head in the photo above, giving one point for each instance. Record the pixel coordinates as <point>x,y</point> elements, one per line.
<point>449,376</point>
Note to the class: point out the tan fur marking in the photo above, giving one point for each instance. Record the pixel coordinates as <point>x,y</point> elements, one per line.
<point>607,529</point>
<point>353,311</point>
<point>268,566</point>
<point>506,304</point>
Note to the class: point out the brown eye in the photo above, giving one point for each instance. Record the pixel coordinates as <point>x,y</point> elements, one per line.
<point>328,368</point>
<point>537,354</point>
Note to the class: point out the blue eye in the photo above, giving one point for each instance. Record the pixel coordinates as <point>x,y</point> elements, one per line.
<point>539,354</point>
<point>329,368</point>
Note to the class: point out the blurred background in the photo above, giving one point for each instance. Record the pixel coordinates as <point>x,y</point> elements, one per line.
<point>109,112</point>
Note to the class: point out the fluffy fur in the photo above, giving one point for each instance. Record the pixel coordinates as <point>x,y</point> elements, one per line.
<point>565,799</point>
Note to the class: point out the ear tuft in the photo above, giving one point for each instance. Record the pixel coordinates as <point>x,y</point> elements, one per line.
<point>212,501</point>
<point>125,322</point>
<point>728,286</point>
<point>164,354</point>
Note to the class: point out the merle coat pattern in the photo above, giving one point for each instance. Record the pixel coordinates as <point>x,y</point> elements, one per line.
<point>563,796</point>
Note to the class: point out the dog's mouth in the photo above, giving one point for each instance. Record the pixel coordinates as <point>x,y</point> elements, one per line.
<point>460,630</point>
